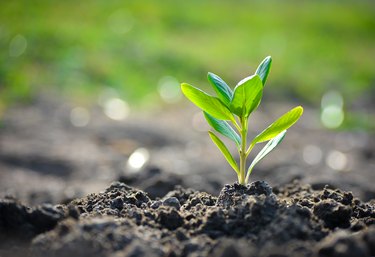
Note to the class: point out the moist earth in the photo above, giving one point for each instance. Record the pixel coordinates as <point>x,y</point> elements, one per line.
<point>252,220</point>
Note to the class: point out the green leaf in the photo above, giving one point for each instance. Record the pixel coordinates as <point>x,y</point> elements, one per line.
<point>223,128</point>
<point>282,123</point>
<point>224,150</point>
<point>264,69</point>
<point>266,150</point>
<point>207,103</point>
<point>223,91</point>
<point>247,96</point>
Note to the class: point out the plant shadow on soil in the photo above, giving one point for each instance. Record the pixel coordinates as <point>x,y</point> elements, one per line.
<point>252,220</point>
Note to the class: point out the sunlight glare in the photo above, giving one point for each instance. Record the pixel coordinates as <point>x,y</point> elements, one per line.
<point>116,109</point>
<point>138,159</point>
<point>337,160</point>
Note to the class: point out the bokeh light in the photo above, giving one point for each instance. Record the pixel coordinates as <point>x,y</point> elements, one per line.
<point>169,89</point>
<point>17,46</point>
<point>138,159</point>
<point>116,109</point>
<point>79,117</point>
<point>332,98</point>
<point>312,154</point>
<point>332,113</point>
<point>337,160</point>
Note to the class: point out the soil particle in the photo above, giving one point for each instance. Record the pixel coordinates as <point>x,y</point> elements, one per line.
<point>333,213</point>
<point>91,236</point>
<point>23,223</point>
<point>182,194</point>
<point>170,218</point>
<point>241,210</point>
<point>112,200</point>
<point>173,202</point>
<point>343,244</point>
<point>156,204</point>
<point>235,194</point>
<point>117,203</point>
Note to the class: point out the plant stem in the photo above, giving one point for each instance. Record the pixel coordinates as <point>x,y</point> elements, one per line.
<point>236,126</point>
<point>243,155</point>
<point>248,171</point>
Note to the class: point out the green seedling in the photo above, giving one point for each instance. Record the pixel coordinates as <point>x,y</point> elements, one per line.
<point>234,107</point>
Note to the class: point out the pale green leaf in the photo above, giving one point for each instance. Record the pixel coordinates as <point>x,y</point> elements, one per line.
<point>264,69</point>
<point>224,150</point>
<point>266,150</point>
<point>224,92</point>
<point>210,104</point>
<point>247,96</point>
<point>283,123</point>
<point>223,128</point>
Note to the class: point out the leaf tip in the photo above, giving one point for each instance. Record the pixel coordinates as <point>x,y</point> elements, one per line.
<point>185,87</point>
<point>300,108</point>
<point>211,134</point>
<point>211,77</point>
<point>268,60</point>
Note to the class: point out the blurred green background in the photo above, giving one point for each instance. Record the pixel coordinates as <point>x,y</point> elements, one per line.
<point>142,49</point>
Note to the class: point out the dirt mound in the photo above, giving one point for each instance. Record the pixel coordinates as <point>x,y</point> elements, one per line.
<point>252,220</point>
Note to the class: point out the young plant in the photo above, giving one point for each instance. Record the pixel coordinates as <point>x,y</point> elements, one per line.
<point>235,107</point>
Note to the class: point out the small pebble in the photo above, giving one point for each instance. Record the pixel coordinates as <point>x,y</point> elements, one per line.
<point>156,204</point>
<point>117,203</point>
<point>173,202</point>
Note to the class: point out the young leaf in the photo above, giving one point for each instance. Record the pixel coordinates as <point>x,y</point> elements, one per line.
<point>266,150</point>
<point>224,150</point>
<point>207,103</point>
<point>223,128</point>
<point>264,69</point>
<point>247,96</point>
<point>282,123</point>
<point>223,91</point>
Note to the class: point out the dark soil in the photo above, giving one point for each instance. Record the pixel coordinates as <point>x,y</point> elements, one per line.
<point>255,220</point>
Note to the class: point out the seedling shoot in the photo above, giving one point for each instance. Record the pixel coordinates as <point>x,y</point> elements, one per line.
<point>228,114</point>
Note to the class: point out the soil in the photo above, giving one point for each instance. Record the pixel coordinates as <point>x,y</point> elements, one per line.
<point>252,220</point>
<point>58,198</point>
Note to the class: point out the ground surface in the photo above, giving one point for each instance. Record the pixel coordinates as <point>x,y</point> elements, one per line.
<point>48,168</point>
<point>242,221</point>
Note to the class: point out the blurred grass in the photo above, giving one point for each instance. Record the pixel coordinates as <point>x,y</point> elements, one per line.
<point>82,47</point>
